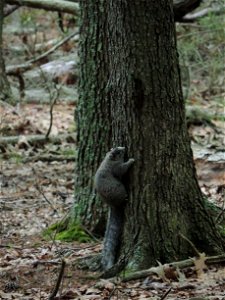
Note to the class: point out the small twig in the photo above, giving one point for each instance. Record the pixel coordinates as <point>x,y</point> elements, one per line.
<point>10,246</point>
<point>113,292</point>
<point>37,139</point>
<point>191,244</point>
<point>51,112</point>
<point>9,9</point>
<point>7,105</point>
<point>58,282</point>
<point>45,198</point>
<point>52,99</point>
<point>89,233</point>
<point>166,294</point>
<point>12,70</point>
<point>204,12</point>
<point>21,84</point>
<point>49,262</point>
<point>46,157</point>
<point>64,219</point>
<point>220,214</point>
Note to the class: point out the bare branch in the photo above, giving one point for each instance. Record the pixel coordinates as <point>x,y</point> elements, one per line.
<point>9,9</point>
<point>204,12</point>
<point>14,70</point>
<point>179,264</point>
<point>36,139</point>
<point>58,282</point>
<point>56,5</point>
<point>166,294</point>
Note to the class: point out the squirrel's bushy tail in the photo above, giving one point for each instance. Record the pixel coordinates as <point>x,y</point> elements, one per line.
<point>112,236</point>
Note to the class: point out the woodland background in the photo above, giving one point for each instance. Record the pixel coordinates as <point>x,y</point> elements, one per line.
<point>37,177</point>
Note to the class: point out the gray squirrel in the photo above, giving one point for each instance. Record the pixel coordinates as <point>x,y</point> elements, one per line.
<point>109,186</point>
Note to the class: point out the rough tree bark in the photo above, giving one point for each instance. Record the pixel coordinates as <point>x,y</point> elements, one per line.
<point>148,116</point>
<point>131,96</point>
<point>5,91</point>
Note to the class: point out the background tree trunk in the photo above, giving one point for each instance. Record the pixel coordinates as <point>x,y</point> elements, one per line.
<point>130,95</point>
<point>5,91</point>
<point>92,114</point>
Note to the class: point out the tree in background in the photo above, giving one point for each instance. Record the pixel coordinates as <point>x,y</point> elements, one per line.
<point>5,91</point>
<point>92,114</point>
<point>130,95</point>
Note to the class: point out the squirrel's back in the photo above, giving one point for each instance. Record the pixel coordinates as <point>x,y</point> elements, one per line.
<point>108,178</point>
<point>108,184</point>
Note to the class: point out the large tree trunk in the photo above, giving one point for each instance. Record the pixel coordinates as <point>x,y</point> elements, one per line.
<point>5,91</point>
<point>148,116</point>
<point>130,95</point>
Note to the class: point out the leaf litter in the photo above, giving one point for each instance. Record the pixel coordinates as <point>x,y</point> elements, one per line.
<point>36,194</point>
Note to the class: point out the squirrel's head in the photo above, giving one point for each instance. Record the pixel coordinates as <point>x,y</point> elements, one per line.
<point>117,153</point>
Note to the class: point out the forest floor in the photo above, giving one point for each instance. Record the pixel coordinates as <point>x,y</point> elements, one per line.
<point>37,187</point>
<point>37,184</point>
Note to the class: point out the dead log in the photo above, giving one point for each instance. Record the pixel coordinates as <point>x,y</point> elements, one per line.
<point>36,139</point>
<point>179,264</point>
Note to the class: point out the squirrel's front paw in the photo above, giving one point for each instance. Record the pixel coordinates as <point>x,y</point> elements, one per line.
<point>131,160</point>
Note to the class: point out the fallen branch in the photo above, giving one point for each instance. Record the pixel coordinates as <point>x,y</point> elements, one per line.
<point>48,158</point>
<point>21,84</point>
<point>9,9</point>
<point>10,246</point>
<point>35,139</point>
<point>44,197</point>
<point>198,254</point>
<point>14,70</point>
<point>56,5</point>
<point>179,264</point>
<point>204,12</point>
<point>45,262</point>
<point>181,7</point>
<point>166,294</point>
<point>53,99</point>
<point>58,282</point>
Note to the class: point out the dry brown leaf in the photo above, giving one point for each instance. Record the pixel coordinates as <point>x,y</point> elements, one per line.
<point>200,265</point>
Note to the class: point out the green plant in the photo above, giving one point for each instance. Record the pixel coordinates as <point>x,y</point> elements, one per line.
<point>64,232</point>
<point>201,49</point>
